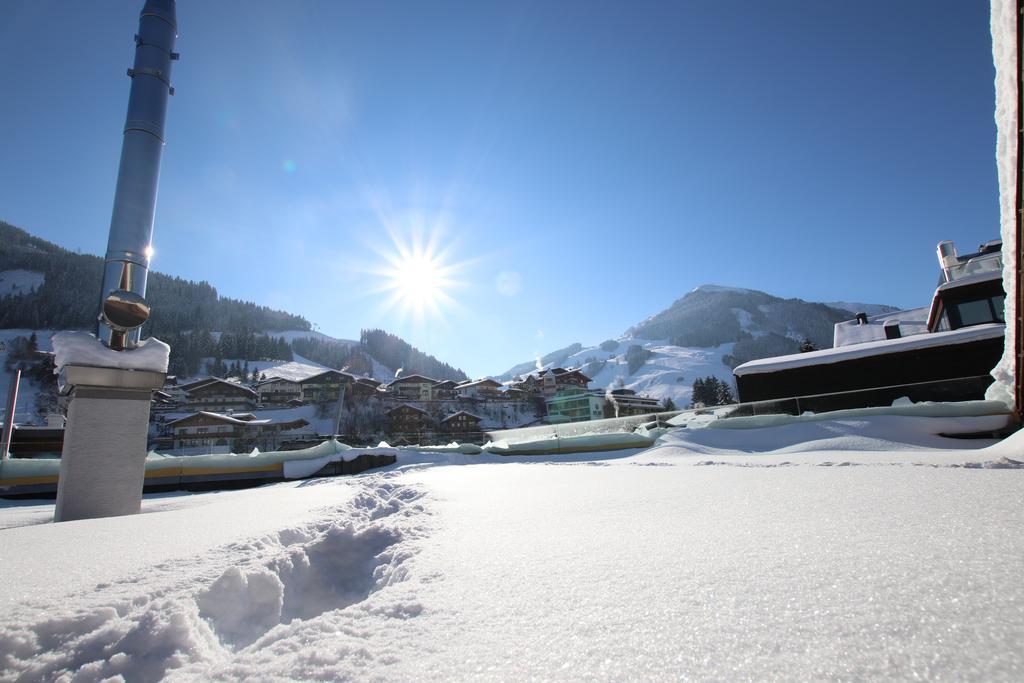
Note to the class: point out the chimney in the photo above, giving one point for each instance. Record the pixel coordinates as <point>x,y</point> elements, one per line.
<point>123,307</point>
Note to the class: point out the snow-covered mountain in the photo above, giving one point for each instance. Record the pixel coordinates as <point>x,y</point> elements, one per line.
<point>708,331</point>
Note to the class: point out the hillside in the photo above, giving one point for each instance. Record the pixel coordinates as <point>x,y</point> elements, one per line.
<point>68,294</point>
<point>709,331</point>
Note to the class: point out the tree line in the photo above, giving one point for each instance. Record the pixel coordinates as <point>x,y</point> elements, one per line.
<point>69,297</point>
<point>711,391</point>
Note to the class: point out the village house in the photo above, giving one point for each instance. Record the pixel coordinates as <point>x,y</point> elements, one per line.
<point>625,402</point>
<point>238,431</point>
<point>361,390</point>
<point>551,381</point>
<point>324,386</point>
<point>575,405</point>
<point>213,393</point>
<point>481,389</point>
<point>408,424</point>
<point>278,390</point>
<point>462,424</point>
<point>412,388</point>
<point>446,389</point>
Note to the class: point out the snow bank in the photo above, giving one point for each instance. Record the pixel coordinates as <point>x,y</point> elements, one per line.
<point>82,348</point>
<point>1004,54</point>
<point>857,439</point>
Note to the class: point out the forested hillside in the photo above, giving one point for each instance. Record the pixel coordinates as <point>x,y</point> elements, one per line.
<point>69,296</point>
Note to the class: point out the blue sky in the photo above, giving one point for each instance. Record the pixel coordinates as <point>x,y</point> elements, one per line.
<point>582,165</point>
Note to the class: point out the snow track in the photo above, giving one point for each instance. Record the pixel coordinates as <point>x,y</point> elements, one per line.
<point>272,584</point>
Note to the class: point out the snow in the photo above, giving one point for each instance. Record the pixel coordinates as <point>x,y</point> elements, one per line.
<point>857,307</point>
<point>699,558</point>
<point>82,348</point>
<point>866,349</point>
<point>28,390</point>
<point>720,288</point>
<point>1004,55</point>
<point>913,321</point>
<point>291,370</point>
<point>19,282</point>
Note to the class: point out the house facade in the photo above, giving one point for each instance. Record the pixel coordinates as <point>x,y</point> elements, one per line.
<point>408,424</point>
<point>219,395</point>
<point>278,390</point>
<point>413,388</point>
<point>575,405</point>
<point>461,424</point>
<point>238,431</point>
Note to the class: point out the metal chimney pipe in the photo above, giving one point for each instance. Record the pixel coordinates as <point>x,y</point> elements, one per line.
<point>123,308</point>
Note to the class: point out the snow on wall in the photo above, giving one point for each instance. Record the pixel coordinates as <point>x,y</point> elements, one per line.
<point>1004,55</point>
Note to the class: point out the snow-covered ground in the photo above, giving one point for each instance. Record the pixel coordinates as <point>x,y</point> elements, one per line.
<point>717,554</point>
<point>19,282</point>
<point>27,390</point>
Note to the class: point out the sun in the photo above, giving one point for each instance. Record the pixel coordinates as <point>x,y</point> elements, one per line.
<point>417,276</point>
<point>418,279</point>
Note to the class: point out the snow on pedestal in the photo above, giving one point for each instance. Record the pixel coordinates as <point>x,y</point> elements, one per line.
<point>1004,55</point>
<point>82,348</point>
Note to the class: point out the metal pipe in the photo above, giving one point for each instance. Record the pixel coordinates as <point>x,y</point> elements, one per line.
<point>123,308</point>
<point>12,404</point>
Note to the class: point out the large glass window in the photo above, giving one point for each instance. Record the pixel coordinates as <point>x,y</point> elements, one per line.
<point>979,311</point>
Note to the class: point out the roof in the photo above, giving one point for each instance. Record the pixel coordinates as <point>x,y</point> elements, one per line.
<point>214,380</point>
<point>413,379</point>
<point>485,382</point>
<point>293,370</point>
<point>873,348</point>
<point>240,419</point>
<point>320,375</point>
<point>912,321</point>
<point>462,412</point>
<point>406,405</point>
<point>275,380</point>
<point>197,383</point>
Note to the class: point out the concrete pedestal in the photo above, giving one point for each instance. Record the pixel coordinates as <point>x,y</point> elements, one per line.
<point>103,464</point>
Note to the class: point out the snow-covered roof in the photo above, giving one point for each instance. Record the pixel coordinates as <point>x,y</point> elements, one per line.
<point>974,278</point>
<point>874,348</point>
<point>239,419</point>
<point>912,321</point>
<point>294,371</point>
<point>462,412</point>
<point>216,380</point>
<point>413,379</point>
<point>486,382</point>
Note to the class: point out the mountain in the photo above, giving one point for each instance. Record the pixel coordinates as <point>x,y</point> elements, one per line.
<point>46,287</point>
<point>709,331</point>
